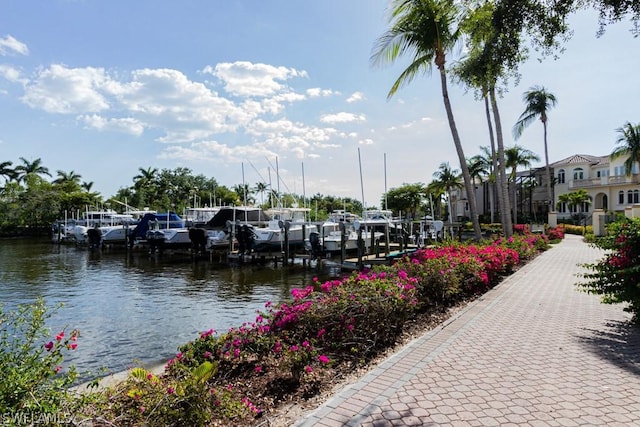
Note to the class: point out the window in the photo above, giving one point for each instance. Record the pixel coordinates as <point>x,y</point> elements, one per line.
<point>578,173</point>
<point>562,207</point>
<point>629,196</point>
<point>621,197</point>
<point>561,176</point>
<point>635,196</point>
<point>619,171</point>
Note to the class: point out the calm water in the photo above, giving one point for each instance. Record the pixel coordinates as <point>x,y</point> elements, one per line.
<point>135,308</point>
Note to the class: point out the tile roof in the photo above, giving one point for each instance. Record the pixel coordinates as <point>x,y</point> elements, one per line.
<point>582,159</point>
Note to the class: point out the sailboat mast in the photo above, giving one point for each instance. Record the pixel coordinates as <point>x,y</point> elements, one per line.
<point>361,184</point>
<point>304,193</point>
<point>386,202</point>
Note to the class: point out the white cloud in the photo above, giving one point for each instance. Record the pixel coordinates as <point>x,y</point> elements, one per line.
<point>356,96</point>
<point>366,141</point>
<point>186,110</point>
<point>9,44</point>
<point>63,90</point>
<point>208,151</point>
<point>12,74</point>
<point>317,92</point>
<point>126,125</point>
<point>243,78</point>
<point>343,118</point>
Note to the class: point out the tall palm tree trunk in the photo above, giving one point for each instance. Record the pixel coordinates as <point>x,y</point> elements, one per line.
<point>471,195</point>
<point>494,161</point>
<point>547,168</point>
<point>507,225</point>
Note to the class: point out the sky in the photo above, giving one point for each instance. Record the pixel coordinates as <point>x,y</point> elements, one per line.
<point>245,91</point>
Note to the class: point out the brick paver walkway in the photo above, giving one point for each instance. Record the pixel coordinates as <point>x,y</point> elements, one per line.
<point>532,351</point>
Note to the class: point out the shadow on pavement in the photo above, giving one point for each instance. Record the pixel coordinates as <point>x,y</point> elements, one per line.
<point>618,342</point>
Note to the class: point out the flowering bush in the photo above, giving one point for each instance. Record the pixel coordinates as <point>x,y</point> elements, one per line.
<point>292,346</point>
<point>32,379</point>
<point>617,276</point>
<point>444,274</point>
<point>521,228</point>
<point>555,234</point>
<point>145,398</point>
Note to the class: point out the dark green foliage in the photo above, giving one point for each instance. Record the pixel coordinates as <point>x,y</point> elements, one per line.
<point>617,276</point>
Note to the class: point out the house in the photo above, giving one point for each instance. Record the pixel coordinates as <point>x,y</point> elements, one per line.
<point>605,180</point>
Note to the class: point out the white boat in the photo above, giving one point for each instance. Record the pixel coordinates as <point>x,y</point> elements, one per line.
<point>345,235</point>
<point>292,221</point>
<point>227,225</point>
<point>111,227</point>
<point>195,217</point>
<point>382,220</point>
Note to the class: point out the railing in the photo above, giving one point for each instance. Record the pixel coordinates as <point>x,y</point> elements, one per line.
<point>604,181</point>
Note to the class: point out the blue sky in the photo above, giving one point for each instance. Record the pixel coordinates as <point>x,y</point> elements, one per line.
<point>105,88</point>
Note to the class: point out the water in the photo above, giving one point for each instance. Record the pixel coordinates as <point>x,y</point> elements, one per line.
<point>135,308</point>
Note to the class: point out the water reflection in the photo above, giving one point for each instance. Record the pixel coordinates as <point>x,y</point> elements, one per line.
<point>135,307</point>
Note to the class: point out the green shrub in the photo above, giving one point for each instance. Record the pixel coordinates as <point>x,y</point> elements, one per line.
<point>33,383</point>
<point>617,276</point>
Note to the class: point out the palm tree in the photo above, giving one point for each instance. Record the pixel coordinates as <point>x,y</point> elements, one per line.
<point>479,168</point>
<point>628,145</point>
<point>145,178</point>
<point>7,172</point>
<point>481,70</point>
<point>29,168</point>
<point>576,200</point>
<point>67,177</point>
<point>87,186</point>
<point>260,188</point>
<point>488,158</point>
<point>517,156</point>
<point>538,102</point>
<point>426,30</point>
<point>447,179</point>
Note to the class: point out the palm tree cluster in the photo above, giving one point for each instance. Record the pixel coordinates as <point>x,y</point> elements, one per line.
<point>427,31</point>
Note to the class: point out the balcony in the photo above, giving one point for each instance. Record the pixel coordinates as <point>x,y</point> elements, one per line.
<point>604,181</point>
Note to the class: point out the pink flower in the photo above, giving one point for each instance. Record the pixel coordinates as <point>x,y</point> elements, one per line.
<point>323,359</point>
<point>171,390</point>
<point>207,354</point>
<point>142,409</point>
<point>321,332</point>
<point>49,345</point>
<point>308,369</point>
<point>258,369</point>
<point>207,333</point>
<point>58,369</point>
<point>72,346</point>
<point>60,336</point>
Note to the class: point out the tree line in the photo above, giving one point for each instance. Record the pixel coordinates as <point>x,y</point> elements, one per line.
<point>494,35</point>
<point>29,200</point>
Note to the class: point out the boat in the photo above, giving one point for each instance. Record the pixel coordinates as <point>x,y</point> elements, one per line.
<point>382,220</point>
<point>288,224</point>
<point>159,231</point>
<point>229,224</point>
<point>198,217</point>
<point>346,235</point>
<point>107,227</point>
